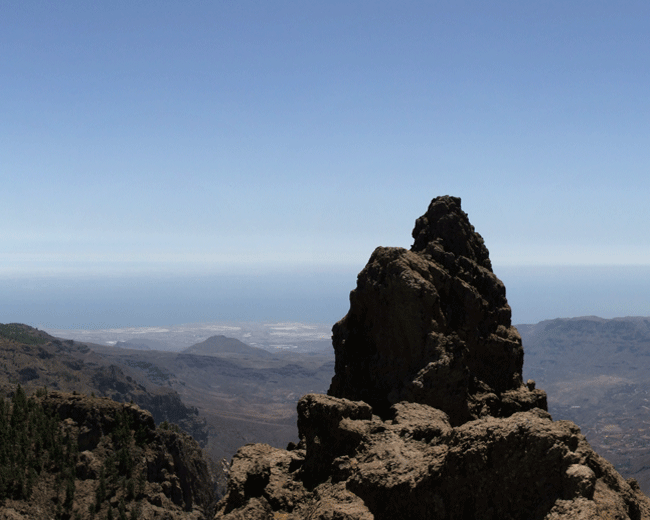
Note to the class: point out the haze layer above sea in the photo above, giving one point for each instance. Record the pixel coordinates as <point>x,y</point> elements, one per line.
<point>535,293</point>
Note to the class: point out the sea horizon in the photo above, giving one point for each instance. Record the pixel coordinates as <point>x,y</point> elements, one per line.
<point>535,293</point>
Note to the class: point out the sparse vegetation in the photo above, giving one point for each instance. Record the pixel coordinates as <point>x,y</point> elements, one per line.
<point>32,442</point>
<point>39,438</point>
<point>165,425</point>
<point>22,334</point>
<point>153,372</point>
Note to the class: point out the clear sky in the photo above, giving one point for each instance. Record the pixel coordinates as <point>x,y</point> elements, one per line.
<point>218,138</point>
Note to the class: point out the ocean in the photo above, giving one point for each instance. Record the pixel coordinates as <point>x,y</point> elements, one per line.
<point>97,302</point>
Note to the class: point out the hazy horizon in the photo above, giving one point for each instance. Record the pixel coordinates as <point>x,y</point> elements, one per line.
<point>158,156</point>
<point>535,293</point>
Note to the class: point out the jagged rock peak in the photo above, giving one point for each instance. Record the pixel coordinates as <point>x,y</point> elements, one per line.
<point>445,225</point>
<point>432,325</point>
<point>427,415</point>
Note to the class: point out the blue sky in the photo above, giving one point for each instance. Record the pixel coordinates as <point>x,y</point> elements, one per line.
<point>236,137</point>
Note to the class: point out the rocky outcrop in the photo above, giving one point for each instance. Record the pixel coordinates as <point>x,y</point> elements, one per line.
<point>427,415</point>
<point>164,403</point>
<point>37,360</point>
<point>108,460</point>
<point>432,325</point>
<point>416,465</point>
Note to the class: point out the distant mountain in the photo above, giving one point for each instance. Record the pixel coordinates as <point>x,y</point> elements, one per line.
<point>132,345</point>
<point>596,373</point>
<point>145,344</point>
<point>587,345</point>
<point>36,360</point>
<point>24,334</point>
<point>222,345</point>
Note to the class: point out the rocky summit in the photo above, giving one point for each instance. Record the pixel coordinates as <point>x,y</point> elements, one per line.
<point>432,325</point>
<point>427,414</point>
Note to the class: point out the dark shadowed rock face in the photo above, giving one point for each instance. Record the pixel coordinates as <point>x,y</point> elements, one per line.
<point>432,325</point>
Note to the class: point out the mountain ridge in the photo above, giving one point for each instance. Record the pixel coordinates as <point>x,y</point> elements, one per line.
<point>220,345</point>
<point>596,372</point>
<point>67,365</point>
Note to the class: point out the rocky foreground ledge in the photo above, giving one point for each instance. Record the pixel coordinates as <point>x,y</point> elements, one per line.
<point>353,465</point>
<point>427,415</point>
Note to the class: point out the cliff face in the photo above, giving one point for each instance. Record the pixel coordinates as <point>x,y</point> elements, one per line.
<point>88,457</point>
<point>432,325</point>
<point>164,403</point>
<point>35,359</point>
<point>427,415</point>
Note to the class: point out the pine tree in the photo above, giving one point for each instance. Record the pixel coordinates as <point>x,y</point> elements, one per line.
<point>122,510</point>
<point>100,492</point>
<point>3,418</point>
<point>69,493</point>
<point>135,512</point>
<point>19,407</point>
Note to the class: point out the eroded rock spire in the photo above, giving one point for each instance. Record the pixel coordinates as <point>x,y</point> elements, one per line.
<point>432,325</point>
<point>448,429</point>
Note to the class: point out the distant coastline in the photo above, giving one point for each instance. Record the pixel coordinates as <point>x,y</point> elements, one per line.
<point>535,293</point>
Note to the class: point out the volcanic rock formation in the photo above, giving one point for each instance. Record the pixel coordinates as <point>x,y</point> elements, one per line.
<point>427,415</point>
<point>432,325</point>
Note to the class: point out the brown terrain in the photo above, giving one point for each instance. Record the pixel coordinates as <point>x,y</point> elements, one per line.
<point>221,391</point>
<point>596,373</point>
<point>245,394</point>
<point>593,370</point>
